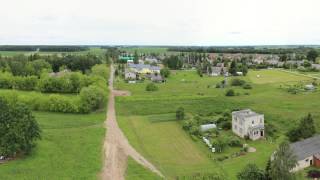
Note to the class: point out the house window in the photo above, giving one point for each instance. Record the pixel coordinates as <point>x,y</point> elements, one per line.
<point>307,160</point>
<point>252,122</point>
<point>260,120</point>
<point>235,127</point>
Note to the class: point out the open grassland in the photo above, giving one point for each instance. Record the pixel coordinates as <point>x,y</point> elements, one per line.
<point>174,152</point>
<point>70,148</point>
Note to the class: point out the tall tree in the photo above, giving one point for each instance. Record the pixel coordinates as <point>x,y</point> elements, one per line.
<point>312,55</point>
<point>233,68</point>
<point>18,129</point>
<point>283,161</point>
<point>136,58</point>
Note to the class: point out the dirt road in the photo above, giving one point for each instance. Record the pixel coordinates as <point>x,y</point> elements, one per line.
<point>116,146</point>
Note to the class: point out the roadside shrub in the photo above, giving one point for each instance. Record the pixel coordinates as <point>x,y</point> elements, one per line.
<point>230,92</point>
<point>218,85</point>
<point>247,86</point>
<point>100,70</point>
<point>151,87</point>
<point>237,82</point>
<point>92,98</point>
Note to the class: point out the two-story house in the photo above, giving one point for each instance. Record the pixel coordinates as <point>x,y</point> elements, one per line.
<point>248,123</point>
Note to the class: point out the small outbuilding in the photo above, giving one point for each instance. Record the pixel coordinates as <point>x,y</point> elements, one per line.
<point>207,127</point>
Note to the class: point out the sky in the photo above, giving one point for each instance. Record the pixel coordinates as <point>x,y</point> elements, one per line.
<point>160,22</point>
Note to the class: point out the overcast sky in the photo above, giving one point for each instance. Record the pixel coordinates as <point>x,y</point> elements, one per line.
<point>160,22</point>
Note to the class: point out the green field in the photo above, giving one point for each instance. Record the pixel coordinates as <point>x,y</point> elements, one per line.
<point>174,152</point>
<point>70,148</point>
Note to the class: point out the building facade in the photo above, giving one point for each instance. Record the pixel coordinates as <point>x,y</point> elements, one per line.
<point>246,123</point>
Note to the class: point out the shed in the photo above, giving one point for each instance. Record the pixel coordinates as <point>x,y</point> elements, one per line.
<point>206,127</point>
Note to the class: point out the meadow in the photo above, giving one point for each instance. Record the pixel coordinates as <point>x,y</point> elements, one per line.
<point>174,152</point>
<point>70,148</point>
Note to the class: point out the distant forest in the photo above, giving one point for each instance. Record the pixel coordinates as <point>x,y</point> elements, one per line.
<point>45,48</point>
<point>246,50</point>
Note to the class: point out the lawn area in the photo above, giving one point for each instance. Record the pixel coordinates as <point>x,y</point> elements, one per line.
<point>70,148</point>
<point>273,76</point>
<point>174,152</point>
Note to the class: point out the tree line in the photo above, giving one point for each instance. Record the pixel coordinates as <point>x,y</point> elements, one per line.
<point>44,48</point>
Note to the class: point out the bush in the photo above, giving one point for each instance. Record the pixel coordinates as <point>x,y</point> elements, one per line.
<point>218,85</point>
<point>247,86</point>
<point>151,87</point>
<point>235,142</point>
<point>230,92</point>
<point>226,125</point>
<point>23,132</point>
<point>180,113</point>
<point>92,98</point>
<point>237,82</point>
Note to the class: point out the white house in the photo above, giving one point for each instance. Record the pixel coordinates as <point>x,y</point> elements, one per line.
<point>248,123</point>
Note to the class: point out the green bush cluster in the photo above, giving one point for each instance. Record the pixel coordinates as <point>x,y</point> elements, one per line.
<point>93,92</point>
<point>8,81</point>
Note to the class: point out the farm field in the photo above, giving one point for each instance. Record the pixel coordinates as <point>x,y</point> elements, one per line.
<point>174,152</point>
<point>70,148</point>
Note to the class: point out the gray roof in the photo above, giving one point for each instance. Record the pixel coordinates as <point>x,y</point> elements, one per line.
<point>306,148</point>
<point>245,113</point>
<point>142,66</point>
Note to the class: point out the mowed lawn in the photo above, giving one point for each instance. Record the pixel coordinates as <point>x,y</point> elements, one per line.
<point>70,148</point>
<point>166,145</point>
<point>273,76</point>
<point>174,152</point>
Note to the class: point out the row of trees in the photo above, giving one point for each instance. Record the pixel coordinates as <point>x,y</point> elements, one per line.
<point>44,48</point>
<point>34,64</point>
<point>93,91</point>
<point>68,82</point>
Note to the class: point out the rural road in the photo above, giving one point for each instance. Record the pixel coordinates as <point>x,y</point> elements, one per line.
<point>116,146</point>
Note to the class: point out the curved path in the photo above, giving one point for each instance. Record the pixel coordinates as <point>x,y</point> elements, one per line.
<point>116,146</point>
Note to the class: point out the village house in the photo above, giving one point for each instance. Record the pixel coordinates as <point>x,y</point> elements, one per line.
<point>128,75</point>
<point>307,152</point>
<point>316,66</point>
<point>144,68</point>
<point>246,123</point>
<point>217,71</point>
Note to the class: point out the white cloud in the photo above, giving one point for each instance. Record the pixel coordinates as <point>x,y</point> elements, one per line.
<point>160,22</point>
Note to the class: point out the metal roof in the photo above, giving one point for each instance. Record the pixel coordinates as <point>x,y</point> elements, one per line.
<point>306,148</point>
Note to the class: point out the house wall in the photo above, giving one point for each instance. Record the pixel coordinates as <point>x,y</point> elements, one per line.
<point>303,164</point>
<point>316,162</point>
<point>241,126</point>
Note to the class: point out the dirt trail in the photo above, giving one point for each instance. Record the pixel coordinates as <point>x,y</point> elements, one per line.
<point>116,146</point>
